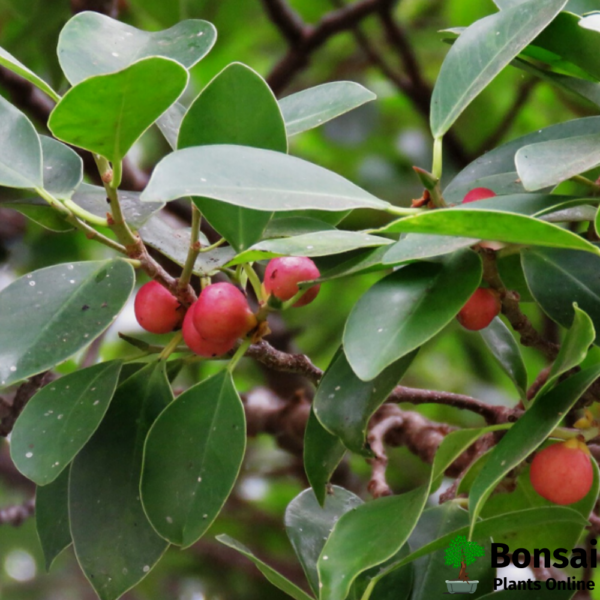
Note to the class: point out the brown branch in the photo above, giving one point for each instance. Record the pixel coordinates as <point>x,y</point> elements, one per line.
<point>378,485</point>
<point>304,40</point>
<point>529,336</point>
<point>10,411</point>
<point>15,515</point>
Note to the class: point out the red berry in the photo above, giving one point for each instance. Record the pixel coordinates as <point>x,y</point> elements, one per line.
<point>222,313</point>
<point>479,193</point>
<point>479,310</point>
<point>196,343</point>
<point>562,473</point>
<point>283,275</point>
<point>156,309</point>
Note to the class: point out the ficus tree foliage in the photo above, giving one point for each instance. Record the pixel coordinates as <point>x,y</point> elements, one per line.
<point>124,468</point>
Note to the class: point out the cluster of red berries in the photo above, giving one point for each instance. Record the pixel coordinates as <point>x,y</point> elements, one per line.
<point>221,315</point>
<point>484,304</point>
<point>563,472</point>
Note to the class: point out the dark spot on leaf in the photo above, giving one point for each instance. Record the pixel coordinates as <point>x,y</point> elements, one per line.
<point>104,305</point>
<point>85,307</point>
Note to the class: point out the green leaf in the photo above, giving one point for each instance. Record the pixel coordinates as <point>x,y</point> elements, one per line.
<point>93,199</point>
<point>491,225</point>
<point>435,523</point>
<point>361,539</point>
<point>40,212</point>
<point>8,61</point>
<point>322,454</point>
<point>63,169</point>
<point>496,169</point>
<point>308,525</point>
<point>407,308</point>
<point>59,420</point>
<point>107,114</point>
<point>175,243</point>
<point>573,349</point>
<point>504,348</point>
<point>527,434</point>
<point>355,264</point>
<point>278,580</point>
<point>502,524</point>
<point>320,243</point>
<point>236,107</point>
<point>548,163</point>
<point>115,544</point>
<point>48,315</point>
<point>291,226</point>
<point>344,404</point>
<point>571,42</point>
<point>52,517</point>
<point>93,44</point>
<point>312,107</point>
<point>170,122</point>
<point>184,489</point>
<point>21,159</point>
<point>416,246</point>
<point>481,52</point>
<point>254,178</point>
<point>557,278</point>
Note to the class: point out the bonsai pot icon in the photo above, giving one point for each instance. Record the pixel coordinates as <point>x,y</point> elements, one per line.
<point>459,555</point>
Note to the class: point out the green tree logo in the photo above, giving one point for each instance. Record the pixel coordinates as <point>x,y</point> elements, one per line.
<point>462,553</point>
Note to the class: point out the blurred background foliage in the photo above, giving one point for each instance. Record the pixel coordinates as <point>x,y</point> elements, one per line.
<point>374,146</point>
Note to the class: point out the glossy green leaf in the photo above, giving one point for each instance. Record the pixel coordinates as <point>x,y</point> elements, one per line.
<point>40,212</point>
<point>175,243</point>
<point>115,544</point>
<point>434,524</point>
<point>48,315</point>
<point>291,226</point>
<point>504,348</point>
<point>361,538</point>
<point>94,44</point>
<point>21,159</point>
<point>52,517</point>
<point>571,42</point>
<point>548,163</point>
<point>308,525</point>
<point>527,434</point>
<point>254,178</point>
<point>344,404</point>
<point>496,169</point>
<point>502,524</point>
<point>312,107</point>
<point>419,301</point>
<point>63,168</point>
<point>93,199</point>
<point>236,107</point>
<point>59,420</point>
<point>557,278</point>
<point>491,225</point>
<point>278,580</point>
<point>323,452</point>
<point>8,61</point>
<point>107,114</point>
<point>481,52</point>
<point>573,349</point>
<point>320,243</point>
<point>170,122</point>
<point>355,264</point>
<point>416,246</point>
<point>184,489</point>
